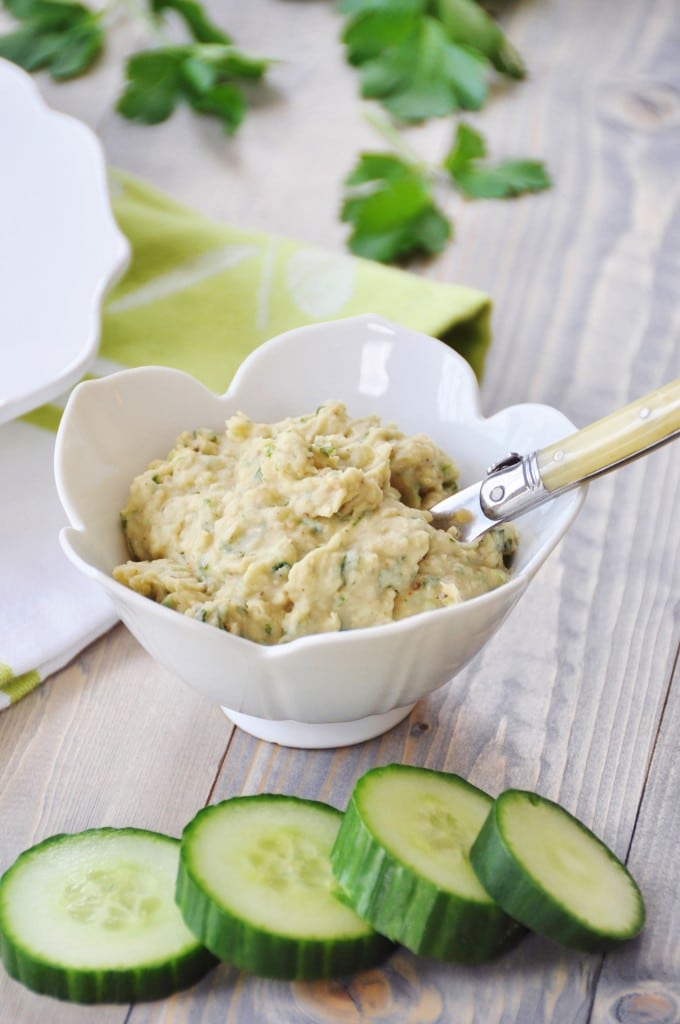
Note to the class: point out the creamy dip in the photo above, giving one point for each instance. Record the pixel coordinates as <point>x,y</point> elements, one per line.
<point>313,524</point>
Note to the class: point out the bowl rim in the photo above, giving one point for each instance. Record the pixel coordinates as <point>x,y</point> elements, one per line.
<point>570,502</point>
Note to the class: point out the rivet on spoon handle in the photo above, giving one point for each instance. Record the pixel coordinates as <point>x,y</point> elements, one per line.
<point>618,437</point>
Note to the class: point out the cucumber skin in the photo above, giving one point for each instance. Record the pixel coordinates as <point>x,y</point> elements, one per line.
<point>257,951</point>
<point>94,986</point>
<point>272,956</point>
<point>155,981</point>
<point>411,910</point>
<point>525,899</point>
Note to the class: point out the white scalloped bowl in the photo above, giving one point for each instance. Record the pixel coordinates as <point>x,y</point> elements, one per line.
<point>60,248</point>
<point>329,689</point>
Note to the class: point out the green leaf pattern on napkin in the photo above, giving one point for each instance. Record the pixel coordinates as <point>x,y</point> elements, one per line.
<point>201,296</point>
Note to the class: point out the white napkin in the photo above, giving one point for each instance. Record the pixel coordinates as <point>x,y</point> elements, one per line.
<point>48,610</point>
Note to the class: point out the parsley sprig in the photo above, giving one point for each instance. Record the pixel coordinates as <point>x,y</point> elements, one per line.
<point>66,38</point>
<point>204,75</point>
<point>62,36</point>
<point>422,59</point>
<point>418,58</point>
<point>426,58</point>
<point>391,201</point>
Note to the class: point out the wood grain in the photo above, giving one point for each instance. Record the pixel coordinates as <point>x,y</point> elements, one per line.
<point>642,983</point>
<point>578,695</point>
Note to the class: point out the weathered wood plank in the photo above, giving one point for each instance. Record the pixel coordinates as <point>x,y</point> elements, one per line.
<point>642,982</point>
<point>112,740</point>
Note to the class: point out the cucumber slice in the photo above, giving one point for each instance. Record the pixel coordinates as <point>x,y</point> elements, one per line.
<point>402,860</point>
<point>255,884</point>
<point>91,918</point>
<point>546,869</point>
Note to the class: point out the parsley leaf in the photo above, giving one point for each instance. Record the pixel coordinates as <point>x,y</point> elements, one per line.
<point>478,180</point>
<point>391,208</point>
<point>200,74</point>
<point>468,24</point>
<point>426,58</point>
<point>375,25</point>
<point>62,36</point>
<point>425,75</point>
<point>153,85</point>
<point>225,101</point>
<point>468,145</point>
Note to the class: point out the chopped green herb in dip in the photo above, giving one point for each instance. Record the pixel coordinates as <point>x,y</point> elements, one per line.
<point>313,524</point>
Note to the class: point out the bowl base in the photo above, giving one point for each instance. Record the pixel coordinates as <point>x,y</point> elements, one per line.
<point>308,736</point>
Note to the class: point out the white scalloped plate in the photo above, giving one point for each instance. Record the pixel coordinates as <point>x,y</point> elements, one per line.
<point>60,248</point>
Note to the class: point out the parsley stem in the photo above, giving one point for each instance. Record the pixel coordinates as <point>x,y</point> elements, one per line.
<point>138,10</point>
<point>397,141</point>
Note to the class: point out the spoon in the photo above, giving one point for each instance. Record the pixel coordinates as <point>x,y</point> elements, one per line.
<point>519,483</point>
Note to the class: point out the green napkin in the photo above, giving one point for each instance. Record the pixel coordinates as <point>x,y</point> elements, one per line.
<point>198,296</point>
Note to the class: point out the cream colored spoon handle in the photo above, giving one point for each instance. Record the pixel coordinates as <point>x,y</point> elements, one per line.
<point>616,438</point>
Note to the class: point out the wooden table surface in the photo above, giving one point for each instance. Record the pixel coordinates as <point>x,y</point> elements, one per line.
<point>578,695</point>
